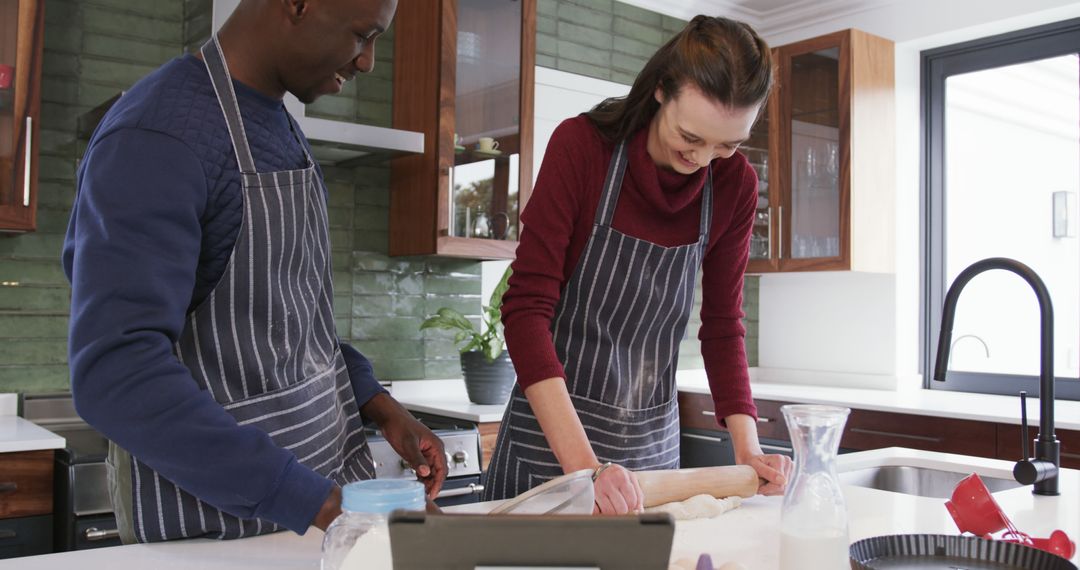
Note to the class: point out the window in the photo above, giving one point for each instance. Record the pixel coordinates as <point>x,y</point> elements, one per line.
<point>1001,175</point>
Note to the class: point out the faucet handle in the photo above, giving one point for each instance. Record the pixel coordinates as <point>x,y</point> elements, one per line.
<point>1024,425</point>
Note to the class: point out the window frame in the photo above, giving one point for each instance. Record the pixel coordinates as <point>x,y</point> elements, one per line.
<point>937,65</point>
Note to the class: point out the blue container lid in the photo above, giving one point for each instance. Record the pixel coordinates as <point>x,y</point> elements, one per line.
<point>382,496</point>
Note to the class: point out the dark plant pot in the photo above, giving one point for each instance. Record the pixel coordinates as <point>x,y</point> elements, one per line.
<point>488,382</point>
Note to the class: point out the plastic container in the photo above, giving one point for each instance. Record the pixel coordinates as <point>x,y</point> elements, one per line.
<point>359,538</point>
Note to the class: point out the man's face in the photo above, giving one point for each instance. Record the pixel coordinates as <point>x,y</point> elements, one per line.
<point>330,42</point>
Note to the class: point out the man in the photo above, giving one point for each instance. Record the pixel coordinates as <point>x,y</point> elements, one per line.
<point>202,336</point>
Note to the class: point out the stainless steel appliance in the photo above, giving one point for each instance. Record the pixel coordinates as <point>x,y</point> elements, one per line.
<point>82,511</point>
<point>461,441</point>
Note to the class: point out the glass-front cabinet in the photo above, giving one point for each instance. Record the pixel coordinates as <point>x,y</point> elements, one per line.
<point>21,26</point>
<point>467,84</point>
<point>826,174</point>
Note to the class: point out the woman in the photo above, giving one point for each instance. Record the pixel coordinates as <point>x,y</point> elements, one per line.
<point>631,199</point>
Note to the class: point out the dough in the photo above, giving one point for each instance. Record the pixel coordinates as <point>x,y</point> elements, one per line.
<point>697,507</point>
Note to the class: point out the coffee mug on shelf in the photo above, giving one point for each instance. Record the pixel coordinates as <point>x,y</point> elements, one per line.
<point>487,144</point>
<point>7,75</point>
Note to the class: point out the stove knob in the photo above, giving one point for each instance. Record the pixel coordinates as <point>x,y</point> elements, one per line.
<point>461,457</point>
<point>406,466</point>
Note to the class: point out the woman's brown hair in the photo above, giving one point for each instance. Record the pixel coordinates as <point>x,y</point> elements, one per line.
<point>723,58</point>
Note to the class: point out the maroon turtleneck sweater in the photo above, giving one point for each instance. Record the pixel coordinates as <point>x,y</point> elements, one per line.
<point>656,204</point>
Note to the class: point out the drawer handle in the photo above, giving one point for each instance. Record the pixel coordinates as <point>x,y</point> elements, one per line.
<point>8,487</point>
<point>776,448</point>
<point>900,435</point>
<point>713,415</point>
<point>93,533</point>
<point>704,437</point>
<point>472,489</point>
<point>7,533</point>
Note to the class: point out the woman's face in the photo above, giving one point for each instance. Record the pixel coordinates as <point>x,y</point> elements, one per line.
<point>690,130</point>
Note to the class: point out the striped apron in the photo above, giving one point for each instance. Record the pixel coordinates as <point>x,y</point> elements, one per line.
<point>616,330</point>
<point>263,344</point>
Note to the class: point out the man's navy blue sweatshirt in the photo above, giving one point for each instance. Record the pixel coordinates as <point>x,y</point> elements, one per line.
<point>157,211</point>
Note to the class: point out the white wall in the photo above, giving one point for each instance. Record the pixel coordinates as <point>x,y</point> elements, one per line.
<point>559,96</point>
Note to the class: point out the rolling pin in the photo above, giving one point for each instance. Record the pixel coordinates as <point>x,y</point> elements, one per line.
<point>666,486</point>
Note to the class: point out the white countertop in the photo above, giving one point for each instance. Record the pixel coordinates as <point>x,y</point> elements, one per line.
<point>448,398</point>
<point>940,403</point>
<point>17,434</point>
<point>748,535</point>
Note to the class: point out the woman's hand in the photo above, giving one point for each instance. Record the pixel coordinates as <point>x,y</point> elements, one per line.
<point>616,491</point>
<point>773,470</point>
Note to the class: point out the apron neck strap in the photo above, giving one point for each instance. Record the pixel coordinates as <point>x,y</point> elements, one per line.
<point>226,95</point>
<point>605,212</point>
<point>706,205</point>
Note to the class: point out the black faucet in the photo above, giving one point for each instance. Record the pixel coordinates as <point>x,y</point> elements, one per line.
<point>1042,471</point>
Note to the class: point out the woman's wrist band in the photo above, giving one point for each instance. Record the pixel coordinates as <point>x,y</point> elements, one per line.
<point>600,469</point>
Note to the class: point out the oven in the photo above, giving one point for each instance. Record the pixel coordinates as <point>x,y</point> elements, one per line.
<point>461,441</point>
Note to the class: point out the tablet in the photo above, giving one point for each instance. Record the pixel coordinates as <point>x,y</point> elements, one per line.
<point>421,541</point>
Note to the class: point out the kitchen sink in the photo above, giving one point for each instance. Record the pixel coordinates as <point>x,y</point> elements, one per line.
<point>920,481</point>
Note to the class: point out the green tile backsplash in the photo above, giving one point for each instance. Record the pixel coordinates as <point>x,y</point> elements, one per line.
<point>95,49</point>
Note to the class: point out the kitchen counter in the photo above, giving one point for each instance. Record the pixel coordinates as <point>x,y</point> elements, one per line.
<point>448,398</point>
<point>749,534</point>
<point>938,403</point>
<point>17,434</point>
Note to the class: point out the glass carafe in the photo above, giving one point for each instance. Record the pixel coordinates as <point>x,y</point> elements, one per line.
<point>813,519</point>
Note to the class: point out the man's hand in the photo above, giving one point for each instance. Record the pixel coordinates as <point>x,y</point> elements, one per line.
<point>330,509</point>
<point>412,440</point>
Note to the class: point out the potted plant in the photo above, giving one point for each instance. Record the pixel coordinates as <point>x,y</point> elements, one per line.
<point>485,364</point>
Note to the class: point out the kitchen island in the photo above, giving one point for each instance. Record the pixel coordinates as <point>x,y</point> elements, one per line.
<point>749,535</point>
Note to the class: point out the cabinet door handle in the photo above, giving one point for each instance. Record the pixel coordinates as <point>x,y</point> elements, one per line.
<point>6,533</point>
<point>900,435</point>
<point>93,534</point>
<point>8,487</point>
<point>763,420</point>
<point>769,233</point>
<point>780,231</point>
<point>708,413</point>
<point>27,162</point>
<point>775,448</point>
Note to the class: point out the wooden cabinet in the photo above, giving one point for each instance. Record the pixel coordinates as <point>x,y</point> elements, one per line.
<point>868,429</point>
<point>26,484</point>
<point>489,433</point>
<point>824,153</point>
<point>1008,444</point>
<point>465,80</point>
<point>696,412</point>
<point>26,503</point>
<point>21,31</point>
